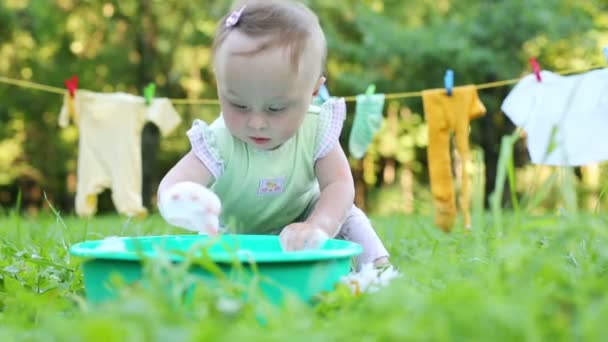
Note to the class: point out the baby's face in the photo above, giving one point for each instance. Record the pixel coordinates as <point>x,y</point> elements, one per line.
<point>262,96</point>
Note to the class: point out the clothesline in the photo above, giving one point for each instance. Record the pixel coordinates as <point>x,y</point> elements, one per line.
<point>388,96</point>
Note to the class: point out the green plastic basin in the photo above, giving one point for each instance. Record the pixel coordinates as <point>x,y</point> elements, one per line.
<point>303,273</point>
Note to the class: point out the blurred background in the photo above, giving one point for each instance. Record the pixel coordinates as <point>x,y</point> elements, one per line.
<point>397,45</point>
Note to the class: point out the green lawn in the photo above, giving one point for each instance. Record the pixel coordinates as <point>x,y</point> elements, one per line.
<point>535,279</point>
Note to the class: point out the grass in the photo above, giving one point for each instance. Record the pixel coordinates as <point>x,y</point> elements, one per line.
<point>514,277</point>
<point>541,278</point>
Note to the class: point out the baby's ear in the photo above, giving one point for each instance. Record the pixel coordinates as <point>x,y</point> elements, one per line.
<point>320,82</point>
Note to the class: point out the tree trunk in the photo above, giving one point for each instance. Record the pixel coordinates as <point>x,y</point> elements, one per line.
<point>591,185</point>
<point>150,142</point>
<point>389,171</point>
<point>407,187</point>
<point>360,188</point>
<point>493,126</point>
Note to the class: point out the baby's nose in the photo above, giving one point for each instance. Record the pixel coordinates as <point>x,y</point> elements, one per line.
<point>257,122</point>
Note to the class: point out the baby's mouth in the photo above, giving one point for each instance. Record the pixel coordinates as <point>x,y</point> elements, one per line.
<point>259,140</point>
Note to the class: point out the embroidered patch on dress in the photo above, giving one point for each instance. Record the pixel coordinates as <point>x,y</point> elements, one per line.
<point>271,186</point>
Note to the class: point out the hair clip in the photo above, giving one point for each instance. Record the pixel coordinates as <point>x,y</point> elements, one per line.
<point>234,17</point>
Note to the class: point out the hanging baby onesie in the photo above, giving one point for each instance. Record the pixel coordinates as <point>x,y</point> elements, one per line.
<point>446,114</point>
<point>109,153</point>
<point>561,116</point>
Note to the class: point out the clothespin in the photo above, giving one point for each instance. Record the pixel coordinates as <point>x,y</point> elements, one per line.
<point>371,89</point>
<point>536,68</point>
<point>149,93</point>
<point>72,85</point>
<point>448,80</point>
<point>606,52</point>
<point>324,93</point>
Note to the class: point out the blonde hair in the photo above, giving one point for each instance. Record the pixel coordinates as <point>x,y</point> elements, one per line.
<point>288,24</point>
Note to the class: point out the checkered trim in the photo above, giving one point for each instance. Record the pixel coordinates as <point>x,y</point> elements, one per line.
<point>333,113</point>
<point>203,145</point>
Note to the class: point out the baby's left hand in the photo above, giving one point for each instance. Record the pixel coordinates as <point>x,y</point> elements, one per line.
<point>301,236</point>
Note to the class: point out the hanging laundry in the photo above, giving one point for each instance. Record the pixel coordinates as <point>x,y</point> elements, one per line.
<point>109,151</point>
<point>367,122</point>
<point>561,115</point>
<point>446,115</point>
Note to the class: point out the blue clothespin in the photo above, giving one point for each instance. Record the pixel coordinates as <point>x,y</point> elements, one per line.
<point>324,93</point>
<point>449,81</point>
<point>606,52</point>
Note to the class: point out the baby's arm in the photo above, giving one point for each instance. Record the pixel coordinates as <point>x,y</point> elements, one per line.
<point>185,201</point>
<point>337,192</point>
<point>189,168</point>
<point>336,199</point>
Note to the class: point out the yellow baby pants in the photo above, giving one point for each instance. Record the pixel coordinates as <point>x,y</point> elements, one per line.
<point>446,115</point>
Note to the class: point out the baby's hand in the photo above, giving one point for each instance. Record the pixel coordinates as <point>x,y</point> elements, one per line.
<point>191,206</point>
<point>300,236</point>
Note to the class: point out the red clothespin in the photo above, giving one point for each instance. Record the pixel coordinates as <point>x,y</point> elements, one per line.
<point>72,85</point>
<point>536,68</point>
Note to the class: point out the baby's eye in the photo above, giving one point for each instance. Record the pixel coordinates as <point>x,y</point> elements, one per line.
<point>276,109</point>
<point>241,107</point>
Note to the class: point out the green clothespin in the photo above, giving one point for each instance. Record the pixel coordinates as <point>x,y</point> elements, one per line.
<point>149,91</point>
<point>371,89</point>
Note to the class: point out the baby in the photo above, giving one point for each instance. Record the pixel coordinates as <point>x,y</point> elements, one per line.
<point>272,162</point>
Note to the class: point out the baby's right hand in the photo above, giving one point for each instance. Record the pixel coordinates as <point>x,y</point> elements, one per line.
<point>191,206</point>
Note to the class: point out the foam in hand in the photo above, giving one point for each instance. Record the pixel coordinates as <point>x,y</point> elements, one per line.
<point>191,206</point>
